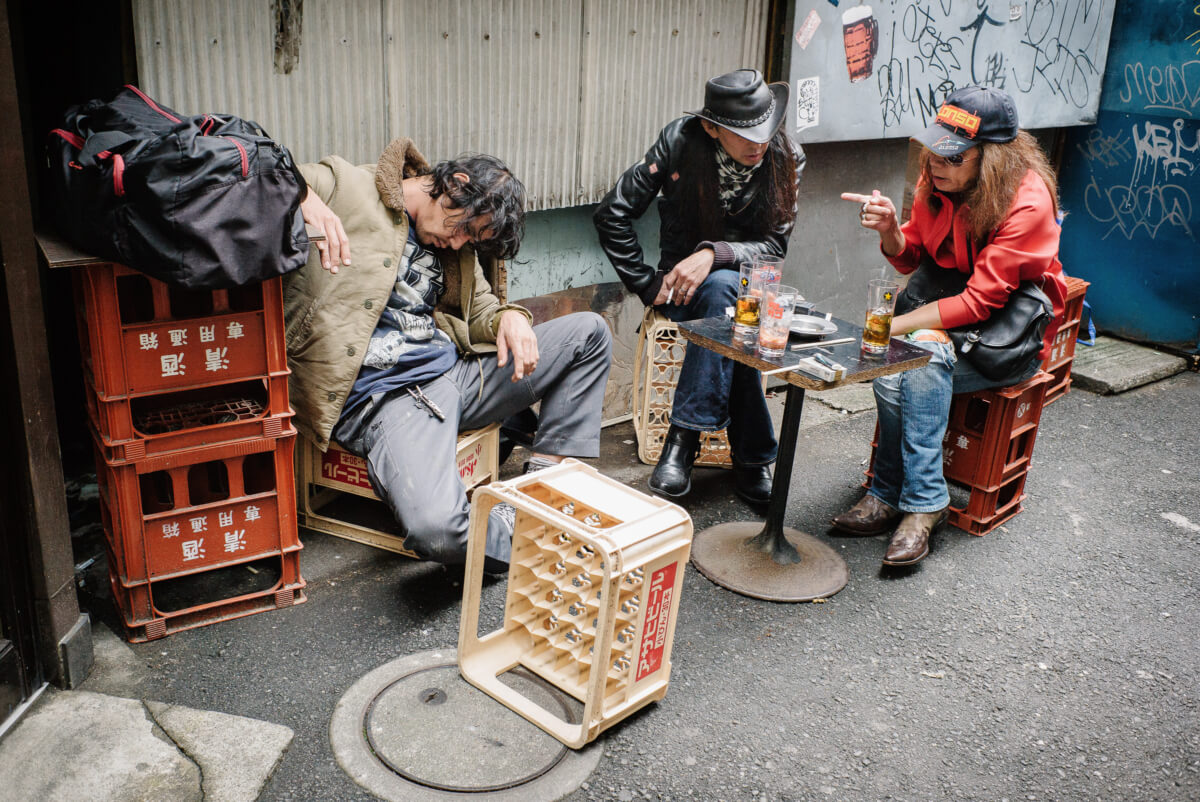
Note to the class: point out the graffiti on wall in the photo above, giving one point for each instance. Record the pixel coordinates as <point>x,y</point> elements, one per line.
<point>887,65</point>
<point>1161,162</point>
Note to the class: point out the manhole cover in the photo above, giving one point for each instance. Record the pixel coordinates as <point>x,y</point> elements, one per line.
<point>414,730</point>
<point>421,724</point>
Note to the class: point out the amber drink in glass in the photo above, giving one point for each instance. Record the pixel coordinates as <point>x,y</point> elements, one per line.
<point>881,305</point>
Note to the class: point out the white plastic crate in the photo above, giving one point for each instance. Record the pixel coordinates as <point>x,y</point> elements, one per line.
<point>656,366</point>
<point>324,477</point>
<point>593,594</point>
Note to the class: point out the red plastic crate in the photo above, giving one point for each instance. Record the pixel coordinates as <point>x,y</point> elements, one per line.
<point>132,428</point>
<point>987,509</point>
<point>1060,383</point>
<point>199,509</point>
<point>142,609</point>
<point>139,335</point>
<point>1062,348</point>
<point>991,433</point>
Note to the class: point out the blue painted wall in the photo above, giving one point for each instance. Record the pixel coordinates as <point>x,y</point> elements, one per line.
<point>1131,182</point>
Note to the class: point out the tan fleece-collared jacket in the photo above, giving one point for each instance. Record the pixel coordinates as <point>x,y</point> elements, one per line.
<point>330,318</point>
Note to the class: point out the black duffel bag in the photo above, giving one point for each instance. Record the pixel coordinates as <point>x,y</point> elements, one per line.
<point>203,202</point>
<point>999,346</point>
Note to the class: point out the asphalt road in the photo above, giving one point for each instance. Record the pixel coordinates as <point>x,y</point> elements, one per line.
<point>1054,659</point>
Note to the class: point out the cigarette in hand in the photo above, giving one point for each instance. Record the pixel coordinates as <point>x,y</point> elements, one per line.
<point>670,295</point>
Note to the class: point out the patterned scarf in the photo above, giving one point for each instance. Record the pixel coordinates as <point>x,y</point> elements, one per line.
<point>732,179</point>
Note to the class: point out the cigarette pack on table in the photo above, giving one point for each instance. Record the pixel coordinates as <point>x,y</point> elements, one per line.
<point>810,366</point>
<point>593,592</point>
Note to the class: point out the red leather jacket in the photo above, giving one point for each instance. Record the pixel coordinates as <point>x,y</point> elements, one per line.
<point>1023,246</point>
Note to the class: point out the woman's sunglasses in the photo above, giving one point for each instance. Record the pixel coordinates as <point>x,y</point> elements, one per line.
<point>957,160</point>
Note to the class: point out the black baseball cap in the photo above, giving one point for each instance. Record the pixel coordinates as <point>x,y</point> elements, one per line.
<point>971,115</point>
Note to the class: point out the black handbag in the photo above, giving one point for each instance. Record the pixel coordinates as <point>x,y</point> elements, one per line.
<point>999,346</point>
<point>203,202</point>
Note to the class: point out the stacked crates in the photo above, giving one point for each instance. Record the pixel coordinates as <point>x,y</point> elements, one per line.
<point>188,406</point>
<point>592,599</point>
<point>1062,349</point>
<point>657,363</point>
<point>987,449</point>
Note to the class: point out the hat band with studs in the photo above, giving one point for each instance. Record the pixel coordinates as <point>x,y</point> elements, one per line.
<point>743,123</point>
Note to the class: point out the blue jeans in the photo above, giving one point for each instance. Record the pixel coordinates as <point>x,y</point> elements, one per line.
<point>913,409</point>
<point>714,392</point>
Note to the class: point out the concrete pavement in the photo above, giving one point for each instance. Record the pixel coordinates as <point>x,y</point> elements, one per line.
<point>1053,659</point>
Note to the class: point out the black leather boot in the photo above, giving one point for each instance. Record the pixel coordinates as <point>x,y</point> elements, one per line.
<point>752,483</point>
<point>672,475</point>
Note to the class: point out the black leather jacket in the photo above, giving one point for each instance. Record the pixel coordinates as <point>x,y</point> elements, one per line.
<point>659,172</point>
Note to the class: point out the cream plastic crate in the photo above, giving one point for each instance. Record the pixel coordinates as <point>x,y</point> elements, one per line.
<point>656,365</point>
<point>321,478</point>
<point>593,595</point>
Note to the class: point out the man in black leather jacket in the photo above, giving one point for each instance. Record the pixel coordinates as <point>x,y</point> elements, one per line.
<point>728,177</point>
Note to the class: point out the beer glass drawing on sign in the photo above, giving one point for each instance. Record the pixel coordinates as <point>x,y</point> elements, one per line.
<point>881,305</point>
<point>860,34</point>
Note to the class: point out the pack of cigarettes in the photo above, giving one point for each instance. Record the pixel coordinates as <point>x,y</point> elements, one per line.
<point>825,370</point>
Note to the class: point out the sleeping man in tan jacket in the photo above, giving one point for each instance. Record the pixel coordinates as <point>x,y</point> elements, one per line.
<point>395,351</point>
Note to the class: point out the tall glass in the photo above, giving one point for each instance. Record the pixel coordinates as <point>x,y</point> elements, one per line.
<point>745,314</point>
<point>775,322</point>
<point>761,271</point>
<point>881,305</point>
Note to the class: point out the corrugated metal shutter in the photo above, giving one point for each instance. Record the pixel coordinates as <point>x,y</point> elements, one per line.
<point>567,92</point>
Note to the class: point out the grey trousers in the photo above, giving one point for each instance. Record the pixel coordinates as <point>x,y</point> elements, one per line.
<point>411,454</point>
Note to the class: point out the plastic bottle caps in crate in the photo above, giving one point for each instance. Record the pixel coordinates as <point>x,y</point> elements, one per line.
<point>593,593</point>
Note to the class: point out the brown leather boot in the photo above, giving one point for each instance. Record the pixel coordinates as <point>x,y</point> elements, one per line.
<point>870,516</point>
<point>910,544</point>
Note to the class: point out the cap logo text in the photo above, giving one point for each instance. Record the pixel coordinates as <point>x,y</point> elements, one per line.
<point>954,117</point>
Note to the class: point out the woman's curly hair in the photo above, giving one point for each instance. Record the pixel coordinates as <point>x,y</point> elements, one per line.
<point>492,194</point>
<point>1001,168</point>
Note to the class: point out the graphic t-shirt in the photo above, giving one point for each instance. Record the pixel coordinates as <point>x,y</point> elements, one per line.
<point>406,347</point>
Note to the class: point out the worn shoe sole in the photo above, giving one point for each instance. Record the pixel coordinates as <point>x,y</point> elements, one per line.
<point>913,561</point>
<point>932,531</point>
<point>658,491</point>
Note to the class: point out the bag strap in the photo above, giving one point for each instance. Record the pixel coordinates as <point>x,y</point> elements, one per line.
<point>104,141</point>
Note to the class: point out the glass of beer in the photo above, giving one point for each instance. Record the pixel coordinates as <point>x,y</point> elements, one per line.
<point>881,305</point>
<point>775,322</point>
<point>745,314</point>
<point>760,272</point>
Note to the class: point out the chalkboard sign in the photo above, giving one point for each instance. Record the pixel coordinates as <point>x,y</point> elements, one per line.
<point>878,69</point>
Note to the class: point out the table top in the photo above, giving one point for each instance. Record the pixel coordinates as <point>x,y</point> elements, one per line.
<point>716,334</point>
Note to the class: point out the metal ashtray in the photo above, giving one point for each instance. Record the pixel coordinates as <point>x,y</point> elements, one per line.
<point>812,326</point>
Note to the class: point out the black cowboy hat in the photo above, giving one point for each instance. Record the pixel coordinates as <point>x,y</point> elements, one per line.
<point>740,102</point>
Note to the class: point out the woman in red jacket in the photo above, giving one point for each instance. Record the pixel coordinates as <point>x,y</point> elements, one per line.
<point>987,206</point>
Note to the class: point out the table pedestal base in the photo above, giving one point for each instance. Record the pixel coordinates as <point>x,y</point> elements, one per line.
<point>722,554</point>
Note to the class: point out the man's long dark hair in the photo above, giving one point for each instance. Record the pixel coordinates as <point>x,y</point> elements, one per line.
<point>774,182</point>
<point>492,191</point>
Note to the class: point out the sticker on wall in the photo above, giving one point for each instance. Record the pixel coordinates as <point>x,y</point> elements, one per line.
<point>1014,11</point>
<point>805,34</point>
<point>808,103</point>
